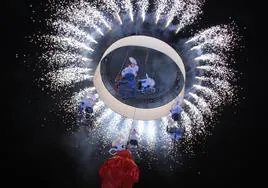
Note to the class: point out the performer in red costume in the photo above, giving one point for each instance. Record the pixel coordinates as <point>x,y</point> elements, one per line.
<point>120,171</point>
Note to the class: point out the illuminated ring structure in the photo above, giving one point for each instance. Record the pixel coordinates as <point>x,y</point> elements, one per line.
<point>127,110</point>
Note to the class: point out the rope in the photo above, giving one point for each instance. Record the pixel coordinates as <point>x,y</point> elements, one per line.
<point>119,73</point>
<point>129,132</point>
<point>146,58</point>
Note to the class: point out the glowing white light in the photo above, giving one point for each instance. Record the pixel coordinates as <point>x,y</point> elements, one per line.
<point>222,37</point>
<point>177,8</point>
<point>116,119</point>
<point>190,13</point>
<point>157,18</point>
<point>126,126</point>
<point>140,127</point>
<point>194,113</point>
<point>209,93</point>
<point>150,130</point>
<point>70,29</point>
<point>98,106</point>
<point>66,42</point>
<point>100,32</point>
<point>68,62</point>
<point>200,78</point>
<point>131,16</point>
<point>223,87</point>
<point>142,6</point>
<point>97,95</point>
<point>106,24</point>
<point>107,112</point>
<point>127,6</point>
<point>87,92</point>
<point>113,124</point>
<point>186,122</point>
<point>160,6</point>
<point>164,121</point>
<point>212,58</point>
<point>198,47</point>
<point>201,104</point>
<point>69,76</point>
<point>85,14</point>
<point>62,59</point>
<point>86,59</point>
<point>119,19</point>
<point>111,7</point>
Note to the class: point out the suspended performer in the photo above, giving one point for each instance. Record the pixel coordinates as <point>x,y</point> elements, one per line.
<point>133,138</point>
<point>118,145</point>
<point>85,108</point>
<point>176,132</point>
<point>176,111</point>
<point>130,72</point>
<point>127,86</point>
<point>146,84</point>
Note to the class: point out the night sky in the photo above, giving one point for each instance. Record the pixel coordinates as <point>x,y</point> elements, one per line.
<point>34,155</point>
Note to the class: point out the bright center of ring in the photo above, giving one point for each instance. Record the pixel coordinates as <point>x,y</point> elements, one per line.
<point>157,61</point>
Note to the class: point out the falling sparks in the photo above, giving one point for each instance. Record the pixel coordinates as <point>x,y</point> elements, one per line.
<point>218,71</point>
<point>70,30</point>
<point>69,76</point>
<point>126,126</point>
<point>220,37</point>
<point>140,127</point>
<point>127,6</point>
<point>143,6</point>
<point>72,48</point>
<point>104,116</point>
<point>223,87</point>
<point>112,127</point>
<point>194,113</point>
<point>176,9</point>
<point>150,129</point>
<point>110,7</point>
<point>66,42</point>
<point>87,15</point>
<point>208,93</point>
<point>63,59</point>
<point>88,92</point>
<point>160,6</point>
<point>190,13</point>
<point>100,32</point>
<point>98,106</point>
<point>201,104</point>
<point>212,58</point>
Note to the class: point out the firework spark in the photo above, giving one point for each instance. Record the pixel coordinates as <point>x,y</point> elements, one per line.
<point>80,27</point>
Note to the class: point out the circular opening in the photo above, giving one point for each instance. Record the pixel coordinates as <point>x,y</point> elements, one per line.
<point>158,66</point>
<point>103,79</point>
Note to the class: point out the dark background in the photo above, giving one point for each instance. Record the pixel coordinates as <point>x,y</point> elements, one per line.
<point>33,155</point>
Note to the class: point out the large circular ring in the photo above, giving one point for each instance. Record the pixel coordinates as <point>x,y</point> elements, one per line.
<point>127,110</point>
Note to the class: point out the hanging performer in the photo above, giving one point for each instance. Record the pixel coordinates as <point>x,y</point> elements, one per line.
<point>176,131</point>
<point>130,72</point>
<point>145,84</point>
<point>176,111</point>
<point>85,108</point>
<point>117,145</point>
<point>127,86</point>
<point>133,138</point>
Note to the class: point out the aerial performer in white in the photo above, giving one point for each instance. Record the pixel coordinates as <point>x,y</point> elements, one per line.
<point>147,83</point>
<point>131,70</point>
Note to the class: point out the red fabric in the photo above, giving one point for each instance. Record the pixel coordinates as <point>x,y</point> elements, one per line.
<point>120,171</point>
